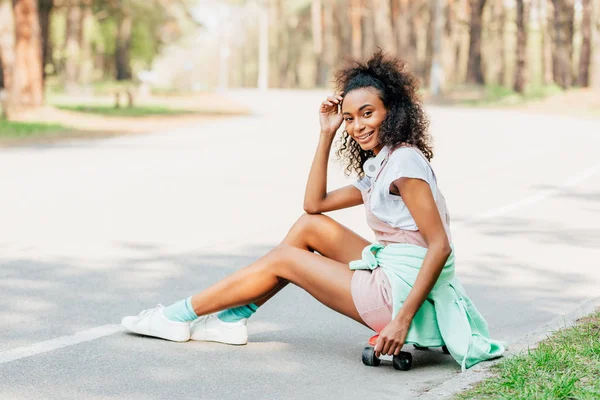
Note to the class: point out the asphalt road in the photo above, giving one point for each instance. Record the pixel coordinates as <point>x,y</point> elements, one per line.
<point>94,230</point>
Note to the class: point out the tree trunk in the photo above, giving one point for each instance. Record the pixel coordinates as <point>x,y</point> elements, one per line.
<point>355,21</point>
<point>474,67</point>
<point>412,38</point>
<point>263,49</point>
<point>586,46</point>
<point>317,35</point>
<point>563,42</point>
<point>455,28</point>
<point>436,79</point>
<point>406,18</point>
<point>330,44</point>
<point>28,79</point>
<point>521,67</point>
<point>45,11</point>
<point>279,43</point>
<point>546,42</point>
<point>123,44</point>
<point>7,42</point>
<point>447,52</point>
<point>7,55</point>
<point>426,67</point>
<point>342,32</point>
<point>383,26</point>
<point>86,68</point>
<point>595,63</point>
<point>73,38</point>
<point>397,12</point>
<point>500,17</point>
<point>368,32</point>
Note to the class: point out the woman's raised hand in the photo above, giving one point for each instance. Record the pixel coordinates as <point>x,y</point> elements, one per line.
<point>330,114</point>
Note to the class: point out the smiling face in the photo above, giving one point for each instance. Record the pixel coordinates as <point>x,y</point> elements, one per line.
<point>363,112</point>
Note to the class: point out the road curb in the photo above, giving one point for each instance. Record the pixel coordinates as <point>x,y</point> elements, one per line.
<point>482,371</point>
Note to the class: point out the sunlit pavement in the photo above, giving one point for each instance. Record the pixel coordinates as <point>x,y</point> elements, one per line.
<point>94,230</point>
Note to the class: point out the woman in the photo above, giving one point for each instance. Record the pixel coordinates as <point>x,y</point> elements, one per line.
<point>403,286</point>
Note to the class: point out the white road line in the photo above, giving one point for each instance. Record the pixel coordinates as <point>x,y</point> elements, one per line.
<point>59,342</point>
<point>107,330</point>
<point>528,201</point>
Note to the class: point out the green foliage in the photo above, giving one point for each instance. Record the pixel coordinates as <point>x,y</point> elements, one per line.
<point>565,366</point>
<point>107,30</point>
<point>143,46</point>
<point>9,129</point>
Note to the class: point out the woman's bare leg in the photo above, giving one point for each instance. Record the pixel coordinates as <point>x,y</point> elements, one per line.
<point>327,237</point>
<point>327,279</point>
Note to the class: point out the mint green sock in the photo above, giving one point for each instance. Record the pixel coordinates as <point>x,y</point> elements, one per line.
<point>181,311</point>
<point>238,313</point>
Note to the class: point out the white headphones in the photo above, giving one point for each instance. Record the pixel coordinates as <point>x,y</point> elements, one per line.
<point>373,164</point>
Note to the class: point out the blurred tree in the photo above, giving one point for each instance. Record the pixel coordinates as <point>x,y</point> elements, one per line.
<point>28,78</point>
<point>45,9</point>
<point>546,42</point>
<point>448,44</point>
<point>73,43</point>
<point>279,43</point>
<point>562,49</point>
<point>88,39</point>
<point>586,45</point>
<point>436,80</point>
<point>522,25</point>
<point>499,18</point>
<point>263,48</point>
<point>342,30</point>
<point>595,63</point>
<point>368,29</point>
<point>355,22</point>
<point>331,52</point>
<point>317,37</point>
<point>123,41</point>
<point>136,30</point>
<point>384,32</point>
<point>7,55</point>
<point>425,70</point>
<point>413,8</point>
<point>474,66</point>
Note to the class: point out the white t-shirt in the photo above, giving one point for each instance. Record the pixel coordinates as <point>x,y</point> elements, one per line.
<point>404,162</point>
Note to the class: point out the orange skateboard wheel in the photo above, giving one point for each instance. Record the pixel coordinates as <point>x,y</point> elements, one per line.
<point>373,340</point>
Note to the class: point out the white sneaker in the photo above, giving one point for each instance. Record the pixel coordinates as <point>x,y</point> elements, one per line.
<point>210,328</point>
<point>152,322</point>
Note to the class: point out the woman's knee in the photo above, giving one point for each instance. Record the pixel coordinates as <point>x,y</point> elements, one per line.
<point>305,227</point>
<point>281,259</point>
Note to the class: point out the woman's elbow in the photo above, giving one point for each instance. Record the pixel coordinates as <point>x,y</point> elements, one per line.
<point>311,209</point>
<point>446,249</point>
<point>443,247</point>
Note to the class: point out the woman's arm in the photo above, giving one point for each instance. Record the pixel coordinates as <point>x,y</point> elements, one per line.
<point>316,198</point>
<point>419,200</point>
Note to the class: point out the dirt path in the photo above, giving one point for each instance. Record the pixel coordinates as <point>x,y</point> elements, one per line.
<point>202,108</point>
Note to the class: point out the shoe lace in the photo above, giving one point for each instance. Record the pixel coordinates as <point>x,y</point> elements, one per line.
<point>149,311</point>
<point>204,319</point>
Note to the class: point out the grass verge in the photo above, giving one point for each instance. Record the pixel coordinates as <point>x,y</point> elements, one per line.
<point>494,95</point>
<point>136,111</point>
<point>564,366</point>
<point>9,129</point>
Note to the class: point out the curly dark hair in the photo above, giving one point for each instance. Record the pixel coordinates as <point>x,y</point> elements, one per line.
<point>405,121</point>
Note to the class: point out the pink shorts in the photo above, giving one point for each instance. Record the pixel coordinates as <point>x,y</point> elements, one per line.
<point>372,295</point>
